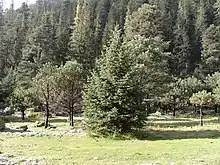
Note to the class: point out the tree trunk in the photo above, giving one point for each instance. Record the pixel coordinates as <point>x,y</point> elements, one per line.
<point>72,122</point>
<point>22,111</point>
<point>195,109</point>
<point>148,106</point>
<point>70,117</point>
<point>216,108</point>
<point>47,115</point>
<point>71,114</point>
<point>174,106</point>
<point>201,117</point>
<point>174,110</point>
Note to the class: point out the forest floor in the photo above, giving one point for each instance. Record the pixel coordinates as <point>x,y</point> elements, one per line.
<point>165,141</point>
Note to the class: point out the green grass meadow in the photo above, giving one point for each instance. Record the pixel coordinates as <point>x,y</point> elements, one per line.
<point>180,141</point>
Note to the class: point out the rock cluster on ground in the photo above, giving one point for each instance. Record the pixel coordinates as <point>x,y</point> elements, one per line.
<point>10,159</point>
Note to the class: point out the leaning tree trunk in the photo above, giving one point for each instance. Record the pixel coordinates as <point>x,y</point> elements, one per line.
<point>201,117</point>
<point>47,105</point>
<point>47,115</point>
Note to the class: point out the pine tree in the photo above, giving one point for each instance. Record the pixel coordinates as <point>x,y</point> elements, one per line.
<point>42,87</point>
<point>68,84</point>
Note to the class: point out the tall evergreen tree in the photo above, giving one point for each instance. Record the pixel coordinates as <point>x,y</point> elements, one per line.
<point>82,41</point>
<point>186,50</point>
<point>114,99</point>
<point>64,30</point>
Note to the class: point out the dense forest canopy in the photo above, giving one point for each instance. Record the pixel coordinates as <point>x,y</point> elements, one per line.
<point>121,53</point>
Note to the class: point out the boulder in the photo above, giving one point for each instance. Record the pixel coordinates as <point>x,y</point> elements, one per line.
<point>8,111</point>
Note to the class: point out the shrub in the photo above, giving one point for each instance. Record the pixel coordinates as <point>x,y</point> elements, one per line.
<point>34,115</point>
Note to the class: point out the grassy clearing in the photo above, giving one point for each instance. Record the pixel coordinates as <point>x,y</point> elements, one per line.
<point>172,140</point>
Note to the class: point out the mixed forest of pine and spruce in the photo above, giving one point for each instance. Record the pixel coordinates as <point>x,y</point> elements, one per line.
<point>141,77</point>
<point>112,61</point>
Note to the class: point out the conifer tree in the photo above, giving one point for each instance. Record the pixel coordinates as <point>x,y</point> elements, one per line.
<point>133,5</point>
<point>82,41</point>
<point>102,10</point>
<point>186,52</point>
<point>211,49</point>
<point>145,22</point>
<point>114,98</point>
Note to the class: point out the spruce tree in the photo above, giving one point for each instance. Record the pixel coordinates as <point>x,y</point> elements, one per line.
<point>114,98</point>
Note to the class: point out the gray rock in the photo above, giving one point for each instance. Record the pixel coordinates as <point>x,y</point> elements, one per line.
<point>7,155</point>
<point>23,127</point>
<point>39,124</point>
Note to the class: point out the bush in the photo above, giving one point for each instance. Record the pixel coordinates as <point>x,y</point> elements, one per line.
<point>34,115</point>
<point>2,124</point>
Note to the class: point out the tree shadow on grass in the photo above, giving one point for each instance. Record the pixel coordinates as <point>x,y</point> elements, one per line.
<point>9,119</point>
<point>174,134</point>
<point>171,119</point>
<point>58,120</point>
<point>11,130</point>
<point>178,123</point>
